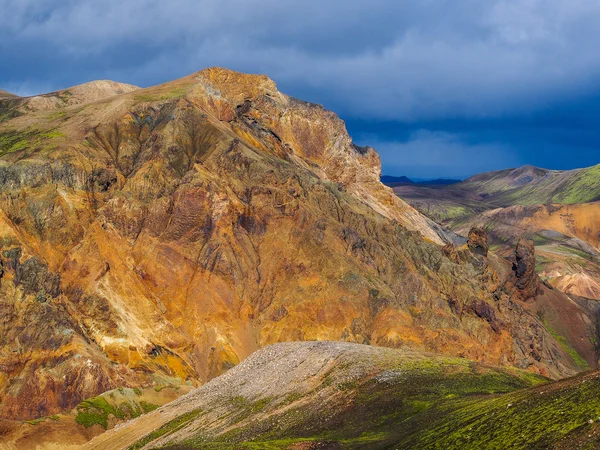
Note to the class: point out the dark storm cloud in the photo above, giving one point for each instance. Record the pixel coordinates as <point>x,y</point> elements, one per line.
<point>453,77</point>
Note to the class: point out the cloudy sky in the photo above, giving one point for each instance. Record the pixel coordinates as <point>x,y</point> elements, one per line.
<point>439,87</point>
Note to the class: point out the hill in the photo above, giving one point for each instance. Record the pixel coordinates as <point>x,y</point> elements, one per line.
<point>529,185</point>
<point>392,181</point>
<point>320,395</point>
<point>333,395</point>
<point>12,106</point>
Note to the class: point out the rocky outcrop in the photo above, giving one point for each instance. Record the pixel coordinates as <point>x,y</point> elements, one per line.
<point>477,241</point>
<point>527,281</point>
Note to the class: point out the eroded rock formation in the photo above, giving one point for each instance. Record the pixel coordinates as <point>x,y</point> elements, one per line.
<point>527,281</point>
<point>477,241</point>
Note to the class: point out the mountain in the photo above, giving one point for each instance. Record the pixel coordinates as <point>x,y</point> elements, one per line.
<point>554,208</point>
<point>321,395</point>
<point>160,236</point>
<point>529,185</point>
<point>392,181</point>
<point>13,106</point>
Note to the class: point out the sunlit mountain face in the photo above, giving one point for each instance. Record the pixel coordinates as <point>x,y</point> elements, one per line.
<point>311,226</point>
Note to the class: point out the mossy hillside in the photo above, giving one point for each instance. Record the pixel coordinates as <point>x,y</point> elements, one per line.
<point>358,413</point>
<point>526,419</point>
<point>98,410</point>
<point>158,95</point>
<point>566,345</point>
<point>12,141</point>
<point>169,427</point>
<point>581,188</point>
<point>422,417</point>
<point>8,109</point>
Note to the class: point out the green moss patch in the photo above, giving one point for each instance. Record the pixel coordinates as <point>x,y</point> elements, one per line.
<point>14,141</point>
<point>146,96</point>
<point>97,411</point>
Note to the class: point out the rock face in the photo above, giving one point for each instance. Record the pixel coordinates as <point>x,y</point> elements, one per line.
<point>524,269</point>
<point>477,241</point>
<point>165,234</point>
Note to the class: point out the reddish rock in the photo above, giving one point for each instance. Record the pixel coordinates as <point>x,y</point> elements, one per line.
<point>477,241</point>
<point>527,282</point>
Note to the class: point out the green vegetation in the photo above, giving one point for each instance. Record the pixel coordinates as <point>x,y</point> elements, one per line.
<point>39,420</point>
<point>167,428</point>
<point>566,345</point>
<point>14,141</point>
<point>261,404</point>
<point>526,419</point>
<point>147,407</point>
<point>149,96</point>
<point>293,397</point>
<point>8,109</point>
<point>35,421</point>
<point>97,410</point>
<point>582,187</point>
<point>57,115</point>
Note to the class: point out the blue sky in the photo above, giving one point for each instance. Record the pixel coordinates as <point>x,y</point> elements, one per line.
<point>439,87</point>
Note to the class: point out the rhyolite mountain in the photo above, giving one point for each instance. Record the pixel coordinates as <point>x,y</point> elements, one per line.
<point>558,210</point>
<point>159,236</point>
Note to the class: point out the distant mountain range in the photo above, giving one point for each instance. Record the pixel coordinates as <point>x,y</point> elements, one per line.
<point>393,181</point>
